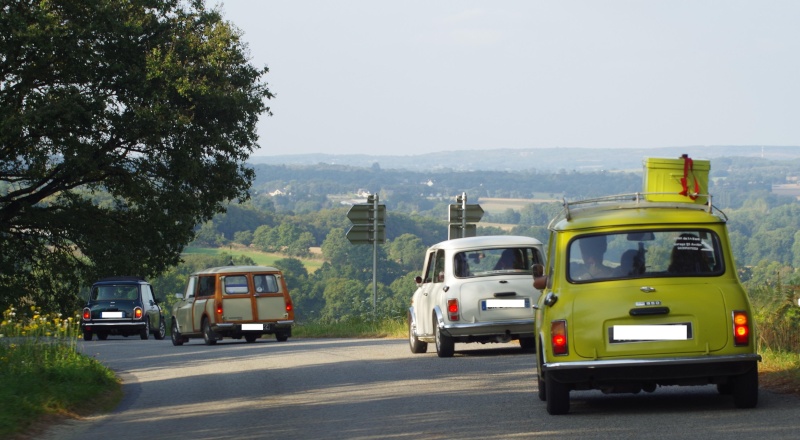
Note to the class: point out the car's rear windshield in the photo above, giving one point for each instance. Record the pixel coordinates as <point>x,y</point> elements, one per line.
<point>493,261</point>
<point>643,254</point>
<point>115,292</point>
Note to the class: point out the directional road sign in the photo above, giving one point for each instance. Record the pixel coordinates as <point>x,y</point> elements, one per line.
<point>473,213</point>
<point>366,234</point>
<point>365,213</point>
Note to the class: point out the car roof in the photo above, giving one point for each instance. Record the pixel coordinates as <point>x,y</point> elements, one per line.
<point>616,212</point>
<point>487,241</point>
<point>235,269</point>
<point>121,280</point>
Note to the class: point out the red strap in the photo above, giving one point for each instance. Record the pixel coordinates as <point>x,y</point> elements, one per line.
<point>688,166</point>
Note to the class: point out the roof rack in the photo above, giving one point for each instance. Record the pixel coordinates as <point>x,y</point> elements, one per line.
<point>633,200</point>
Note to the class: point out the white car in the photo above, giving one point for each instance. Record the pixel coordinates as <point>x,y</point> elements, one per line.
<point>476,289</point>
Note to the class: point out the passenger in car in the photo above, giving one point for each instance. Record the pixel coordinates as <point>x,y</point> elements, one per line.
<point>629,264</point>
<point>592,251</point>
<point>687,255</point>
<point>510,259</point>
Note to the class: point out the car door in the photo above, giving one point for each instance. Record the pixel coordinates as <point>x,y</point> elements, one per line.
<point>183,313</point>
<point>432,283</point>
<point>150,306</point>
<point>206,287</point>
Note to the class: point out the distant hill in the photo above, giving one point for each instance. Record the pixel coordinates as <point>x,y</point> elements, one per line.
<point>543,159</point>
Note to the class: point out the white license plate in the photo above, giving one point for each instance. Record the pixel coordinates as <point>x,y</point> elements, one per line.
<point>111,314</point>
<point>252,326</point>
<point>678,332</point>
<point>503,303</point>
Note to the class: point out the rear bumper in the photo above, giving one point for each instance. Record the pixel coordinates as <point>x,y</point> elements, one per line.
<point>706,369</point>
<point>517,328</point>
<point>240,327</point>
<point>128,325</point>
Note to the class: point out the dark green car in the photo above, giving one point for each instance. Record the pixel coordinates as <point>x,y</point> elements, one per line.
<point>123,306</point>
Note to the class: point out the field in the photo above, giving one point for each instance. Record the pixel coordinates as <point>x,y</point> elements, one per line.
<point>497,205</point>
<point>261,258</point>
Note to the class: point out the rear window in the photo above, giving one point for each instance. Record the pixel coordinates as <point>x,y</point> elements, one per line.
<point>266,283</point>
<point>645,254</point>
<point>116,292</point>
<point>235,285</point>
<point>485,262</point>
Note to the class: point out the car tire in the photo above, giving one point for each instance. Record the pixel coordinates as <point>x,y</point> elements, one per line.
<point>162,329</point>
<point>445,347</point>
<point>251,338</point>
<point>528,344</point>
<point>414,343</point>
<point>87,335</point>
<point>209,337</point>
<point>542,389</point>
<point>282,336</point>
<point>102,336</point>
<point>145,332</point>
<point>177,338</point>
<point>557,395</point>
<point>725,389</point>
<point>745,389</point>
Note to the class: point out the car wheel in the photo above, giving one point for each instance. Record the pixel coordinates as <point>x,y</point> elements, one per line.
<point>87,335</point>
<point>208,335</point>
<point>282,336</point>
<point>102,336</point>
<point>250,338</point>
<point>745,389</point>
<point>725,388</point>
<point>557,395</point>
<point>177,338</point>
<point>145,332</point>
<point>542,387</point>
<point>445,347</point>
<point>528,344</point>
<point>162,329</point>
<point>416,345</point>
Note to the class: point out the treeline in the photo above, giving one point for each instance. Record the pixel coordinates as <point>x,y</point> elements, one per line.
<point>763,227</point>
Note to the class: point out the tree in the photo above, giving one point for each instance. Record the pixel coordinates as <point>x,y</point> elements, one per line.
<point>123,124</point>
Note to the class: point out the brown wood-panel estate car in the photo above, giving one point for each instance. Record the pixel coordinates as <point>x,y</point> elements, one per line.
<point>234,302</point>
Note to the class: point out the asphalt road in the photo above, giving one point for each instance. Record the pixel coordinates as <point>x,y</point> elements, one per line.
<point>369,389</point>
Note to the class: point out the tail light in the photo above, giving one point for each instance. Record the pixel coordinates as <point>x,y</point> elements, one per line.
<point>87,314</point>
<point>741,328</point>
<point>137,313</point>
<point>289,306</point>
<point>558,337</point>
<point>219,308</point>
<point>452,309</point>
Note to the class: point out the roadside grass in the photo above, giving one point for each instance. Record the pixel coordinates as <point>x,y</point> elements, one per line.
<point>357,328</point>
<point>44,378</point>
<point>261,258</point>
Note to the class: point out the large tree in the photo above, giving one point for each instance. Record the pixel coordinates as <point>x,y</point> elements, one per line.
<point>123,124</point>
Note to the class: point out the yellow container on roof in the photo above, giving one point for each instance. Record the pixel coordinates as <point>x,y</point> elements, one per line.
<point>676,180</point>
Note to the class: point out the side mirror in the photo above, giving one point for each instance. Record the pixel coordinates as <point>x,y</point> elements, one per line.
<point>539,283</point>
<point>537,270</point>
<point>418,280</point>
<point>179,295</point>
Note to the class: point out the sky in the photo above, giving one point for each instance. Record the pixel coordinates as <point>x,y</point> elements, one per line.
<point>421,76</point>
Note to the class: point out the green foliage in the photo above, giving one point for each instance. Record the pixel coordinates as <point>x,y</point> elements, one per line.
<point>122,126</point>
<point>41,371</point>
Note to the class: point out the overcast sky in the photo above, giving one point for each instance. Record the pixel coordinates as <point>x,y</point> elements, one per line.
<point>412,77</point>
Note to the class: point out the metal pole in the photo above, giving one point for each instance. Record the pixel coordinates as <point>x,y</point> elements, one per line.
<point>463,214</point>
<point>375,257</point>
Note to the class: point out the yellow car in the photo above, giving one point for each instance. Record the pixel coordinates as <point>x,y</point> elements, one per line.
<point>640,293</point>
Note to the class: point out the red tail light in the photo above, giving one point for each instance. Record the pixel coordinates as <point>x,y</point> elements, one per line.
<point>558,337</point>
<point>87,314</point>
<point>452,309</point>
<point>741,328</point>
<point>289,306</point>
<point>219,308</point>
<point>137,313</point>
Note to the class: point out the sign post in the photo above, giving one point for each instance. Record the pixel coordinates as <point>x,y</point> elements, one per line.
<point>369,228</point>
<point>462,218</point>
